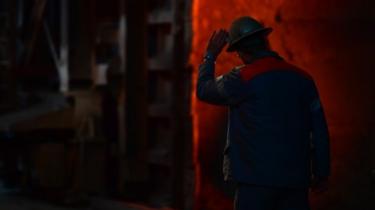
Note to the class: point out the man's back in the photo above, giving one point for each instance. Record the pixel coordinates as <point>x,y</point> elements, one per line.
<point>271,139</point>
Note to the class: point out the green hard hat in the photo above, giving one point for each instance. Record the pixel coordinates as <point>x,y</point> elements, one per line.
<point>244,27</point>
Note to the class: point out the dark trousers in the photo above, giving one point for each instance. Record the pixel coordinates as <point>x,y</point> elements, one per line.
<point>253,197</point>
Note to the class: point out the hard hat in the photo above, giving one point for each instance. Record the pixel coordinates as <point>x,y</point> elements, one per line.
<point>244,27</point>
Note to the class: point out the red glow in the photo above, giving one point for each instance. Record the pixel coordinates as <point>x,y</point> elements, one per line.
<point>314,35</point>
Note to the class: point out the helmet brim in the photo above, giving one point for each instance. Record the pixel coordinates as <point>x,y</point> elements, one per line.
<point>234,44</point>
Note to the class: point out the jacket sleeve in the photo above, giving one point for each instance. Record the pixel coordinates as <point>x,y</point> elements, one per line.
<point>320,136</point>
<point>227,89</point>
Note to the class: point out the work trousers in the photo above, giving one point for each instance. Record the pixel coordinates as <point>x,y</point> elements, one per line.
<point>253,197</point>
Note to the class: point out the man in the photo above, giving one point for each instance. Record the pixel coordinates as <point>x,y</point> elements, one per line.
<point>278,141</point>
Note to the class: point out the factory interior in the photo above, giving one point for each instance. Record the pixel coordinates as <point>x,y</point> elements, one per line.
<point>98,107</point>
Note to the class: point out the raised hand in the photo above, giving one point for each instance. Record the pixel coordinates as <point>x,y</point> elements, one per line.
<point>217,42</point>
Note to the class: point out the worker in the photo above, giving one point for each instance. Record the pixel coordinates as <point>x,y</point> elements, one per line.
<point>277,148</point>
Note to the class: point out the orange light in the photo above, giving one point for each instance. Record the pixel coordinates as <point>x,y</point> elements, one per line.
<point>210,15</point>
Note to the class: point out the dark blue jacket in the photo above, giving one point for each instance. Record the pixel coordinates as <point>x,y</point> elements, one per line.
<point>277,132</point>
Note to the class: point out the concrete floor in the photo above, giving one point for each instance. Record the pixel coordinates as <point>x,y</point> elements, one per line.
<point>12,202</point>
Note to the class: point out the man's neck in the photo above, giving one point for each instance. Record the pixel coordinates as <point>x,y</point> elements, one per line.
<point>261,54</point>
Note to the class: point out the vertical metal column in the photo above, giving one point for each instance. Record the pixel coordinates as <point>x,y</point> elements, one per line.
<point>122,54</point>
<point>64,49</point>
<point>136,88</point>
<point>179,101</point>
<point>121,109</point>
<point>10,63</point>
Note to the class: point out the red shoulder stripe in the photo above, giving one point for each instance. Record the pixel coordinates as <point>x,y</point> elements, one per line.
<point>268,64</point>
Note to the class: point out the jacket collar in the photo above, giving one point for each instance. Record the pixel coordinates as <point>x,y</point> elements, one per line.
<point>266,64</point>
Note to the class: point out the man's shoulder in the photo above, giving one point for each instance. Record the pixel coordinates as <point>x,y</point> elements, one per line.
<point>270,64</point>
<point>235,73</point>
